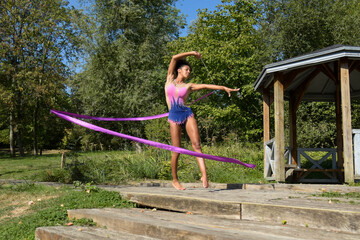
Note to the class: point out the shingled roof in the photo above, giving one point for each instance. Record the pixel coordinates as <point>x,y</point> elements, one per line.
<point>322,87</point>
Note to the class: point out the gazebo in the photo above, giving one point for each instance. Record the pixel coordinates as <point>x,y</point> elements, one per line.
<point>329,74</point>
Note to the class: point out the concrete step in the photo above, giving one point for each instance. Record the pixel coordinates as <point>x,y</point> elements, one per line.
<point>264,206</point>
<point>84,233</point>
<point>173,225</point>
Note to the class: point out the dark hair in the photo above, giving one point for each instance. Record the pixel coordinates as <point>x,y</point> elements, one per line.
<point>180,63</point>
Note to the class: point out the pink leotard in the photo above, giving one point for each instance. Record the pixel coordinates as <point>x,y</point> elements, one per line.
<point>176,97</point>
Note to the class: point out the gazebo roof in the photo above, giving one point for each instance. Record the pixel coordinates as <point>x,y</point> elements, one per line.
<point>320,66</point>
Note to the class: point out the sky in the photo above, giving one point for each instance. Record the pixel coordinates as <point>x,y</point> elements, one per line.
<point>187,7</point>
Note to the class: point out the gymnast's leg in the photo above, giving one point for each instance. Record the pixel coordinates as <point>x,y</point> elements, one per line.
<point>175,131</point>
<point>193,133</point>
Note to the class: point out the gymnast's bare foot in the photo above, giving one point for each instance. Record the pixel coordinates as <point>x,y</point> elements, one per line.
<point>177,185</point>
<point>204,181</point>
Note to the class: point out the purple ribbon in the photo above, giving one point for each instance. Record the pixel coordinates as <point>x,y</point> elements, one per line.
<point>126,119</point>
<point>148,142</point>
<point>113,119</point>
<point>202,97</point>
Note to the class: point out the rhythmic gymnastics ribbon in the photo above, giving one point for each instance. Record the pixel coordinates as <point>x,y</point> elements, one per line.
<point>148,142</point>
<point>126,119</point>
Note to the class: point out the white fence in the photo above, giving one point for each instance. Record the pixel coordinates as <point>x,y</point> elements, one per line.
<point>356,133</point>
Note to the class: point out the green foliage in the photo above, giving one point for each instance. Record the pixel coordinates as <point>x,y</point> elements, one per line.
<point>294,27</point>
<point>4,136</point>
<point>88,187</point>
<point>317,125</point>
<point>125,71</point>
<point>291,28</point>
<point>114,167</point>
<point>158,130</point>
<point>53,212</point>
<point>36,37</point>
<point>225,38</point>
<point>72,139</point>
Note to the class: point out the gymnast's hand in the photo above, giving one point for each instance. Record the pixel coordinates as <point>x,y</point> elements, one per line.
<point>229,90</point>
<point>197,55</point>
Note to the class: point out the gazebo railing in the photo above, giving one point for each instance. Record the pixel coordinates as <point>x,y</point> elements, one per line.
<point>302,174</point>
<point>270,159</point>
<point>317,165</point>
<point>356,133</point>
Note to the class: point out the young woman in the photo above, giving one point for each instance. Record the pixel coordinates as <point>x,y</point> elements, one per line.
<point>177,92</point>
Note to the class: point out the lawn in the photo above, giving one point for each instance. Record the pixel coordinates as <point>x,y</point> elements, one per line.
<point>26,206</point>
<point>118,167</point>
<point>23,207</point>
<point>27,167</point>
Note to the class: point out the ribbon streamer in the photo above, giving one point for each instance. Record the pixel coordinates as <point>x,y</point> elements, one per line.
<point>113,119</point>
<point>148,142</point>
<point>127,119</point>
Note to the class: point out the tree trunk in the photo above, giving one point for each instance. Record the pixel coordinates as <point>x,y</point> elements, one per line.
<point>20,145</point>
<point>12,139</point>
<point>19,125</point>
<point>35,140</point>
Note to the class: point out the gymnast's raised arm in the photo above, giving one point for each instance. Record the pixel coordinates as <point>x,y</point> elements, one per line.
<point>179,56</point>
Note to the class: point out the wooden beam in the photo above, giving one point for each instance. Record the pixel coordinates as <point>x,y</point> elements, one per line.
<point>339,136</point>
<point>279,128</point>
<point>301,90</point>
<point>346,121</point>
<point>293,131</point>
<point>266,121</point>
<point>290,76</point>
<point>354,65</point>
<point>328,72</point>
<point>357,68</point>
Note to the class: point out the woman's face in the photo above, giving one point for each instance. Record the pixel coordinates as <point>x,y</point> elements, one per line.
<point>184,71</point>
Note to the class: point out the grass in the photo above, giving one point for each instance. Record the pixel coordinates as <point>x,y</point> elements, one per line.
<point>339,197</point>
<point>24,207</point>
<point>27,167</point>
<point>349,195</point>
<point>116,167</point>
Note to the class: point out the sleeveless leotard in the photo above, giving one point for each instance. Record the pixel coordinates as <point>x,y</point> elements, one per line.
<point>176,97</point>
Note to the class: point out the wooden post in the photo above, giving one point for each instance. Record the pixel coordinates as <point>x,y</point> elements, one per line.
<point>292,120</point>
<point>279,128</point>
<point>266,121</point>
<point>339,135</point>
<point>346,121</point>
<point>63,160</point>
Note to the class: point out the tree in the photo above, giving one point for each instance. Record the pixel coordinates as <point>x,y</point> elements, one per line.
<point>124,74</point>
<point>35,38</point>
<point>289,28</point>
<point>226,38</point>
